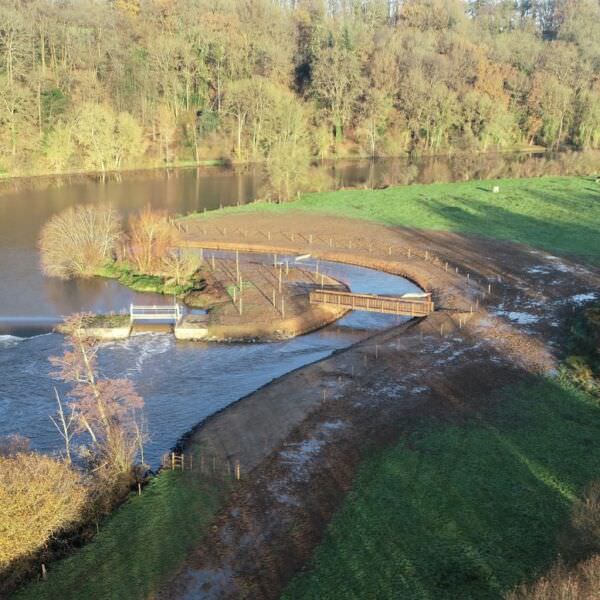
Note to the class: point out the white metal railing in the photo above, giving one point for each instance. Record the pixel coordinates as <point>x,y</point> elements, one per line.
<point>167,312</point>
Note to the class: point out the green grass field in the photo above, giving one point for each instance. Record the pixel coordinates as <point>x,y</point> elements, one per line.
<point>462,511</point>
<point>558,214</point>
<point>138,547</point>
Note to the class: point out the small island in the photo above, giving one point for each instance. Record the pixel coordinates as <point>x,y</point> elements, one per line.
<point>220,297</point>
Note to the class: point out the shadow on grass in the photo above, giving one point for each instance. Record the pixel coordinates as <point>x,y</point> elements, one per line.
<point>139,546</point>
<point>463,511</point>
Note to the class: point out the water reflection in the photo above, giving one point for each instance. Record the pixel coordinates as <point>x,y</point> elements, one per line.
<point>24,209</point>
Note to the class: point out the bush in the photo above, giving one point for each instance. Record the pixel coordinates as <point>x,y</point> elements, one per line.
<point>39,496</point>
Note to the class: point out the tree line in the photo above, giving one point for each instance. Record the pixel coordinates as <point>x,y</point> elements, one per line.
<point>103,85</point>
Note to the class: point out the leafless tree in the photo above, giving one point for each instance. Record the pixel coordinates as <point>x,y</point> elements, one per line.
<point>79,240</point>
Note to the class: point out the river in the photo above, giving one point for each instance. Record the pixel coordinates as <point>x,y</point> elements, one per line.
<point>181,383</point>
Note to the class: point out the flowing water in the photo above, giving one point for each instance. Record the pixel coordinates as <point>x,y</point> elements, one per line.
<point>181,383</point>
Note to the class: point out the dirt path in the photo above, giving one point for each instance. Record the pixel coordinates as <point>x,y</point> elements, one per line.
<point>300,438</point>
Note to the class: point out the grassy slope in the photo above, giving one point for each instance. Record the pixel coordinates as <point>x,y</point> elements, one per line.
<point>138,546</point>
<point>469,511</point>
<point>558,214</point>
<point>462,511</point>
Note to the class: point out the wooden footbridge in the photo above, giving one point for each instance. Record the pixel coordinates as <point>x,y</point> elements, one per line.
<point>419,306</point>
<point>171,312</point>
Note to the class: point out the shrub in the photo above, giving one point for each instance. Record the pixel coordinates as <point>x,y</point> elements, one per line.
<point>39,496</point>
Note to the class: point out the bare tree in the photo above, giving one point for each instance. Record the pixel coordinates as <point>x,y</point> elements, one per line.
<point>65,425</point>
<point>151,238</point>
<point>109,410</point>
<point>79,240</point>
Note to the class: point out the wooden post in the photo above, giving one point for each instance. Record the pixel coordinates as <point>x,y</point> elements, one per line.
<point>376,351</point>
<point>283,306</point>
<point>330,243</point>
<point>139,487</point>
<point>213,262</point>
<point>389,251</point>
<point>274,298</point>
<point>310,238</point>
<point>172,461</point>
<point>44,573</point>
<point>287,267</point>
<point>280,278</point>
<point>237,470</point>
<point>322,281</point>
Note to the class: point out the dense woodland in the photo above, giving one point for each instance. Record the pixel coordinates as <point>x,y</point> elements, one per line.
<point>103,85</point>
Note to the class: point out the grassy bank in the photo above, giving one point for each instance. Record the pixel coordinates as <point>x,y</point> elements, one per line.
<point>557,214</point>
<point>462,510</point>
<point>141,282</point>
<point>139,546</point>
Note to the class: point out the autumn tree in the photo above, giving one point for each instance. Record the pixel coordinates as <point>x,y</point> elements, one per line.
<point>79,240</point>
<point>107,410</point>
<point>151,239</point>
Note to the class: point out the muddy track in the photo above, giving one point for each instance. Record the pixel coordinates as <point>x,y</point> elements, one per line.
<point>502,313</point>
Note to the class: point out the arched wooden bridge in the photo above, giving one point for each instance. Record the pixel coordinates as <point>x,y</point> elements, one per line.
<point>419,306</point>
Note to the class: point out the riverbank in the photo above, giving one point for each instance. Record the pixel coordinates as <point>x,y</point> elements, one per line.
<point>233,162</point>
<point>452,364</point>
<point>523,337</point>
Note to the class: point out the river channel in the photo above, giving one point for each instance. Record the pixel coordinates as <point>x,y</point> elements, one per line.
<point>181,383</point>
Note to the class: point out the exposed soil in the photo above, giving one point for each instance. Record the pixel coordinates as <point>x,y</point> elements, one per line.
<point>501,317</point>
<point>250,300</point>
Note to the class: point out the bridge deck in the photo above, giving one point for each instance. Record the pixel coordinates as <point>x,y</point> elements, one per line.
<point>372,303</point>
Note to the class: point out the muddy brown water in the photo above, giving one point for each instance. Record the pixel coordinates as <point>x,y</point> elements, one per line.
<point>182,383</point>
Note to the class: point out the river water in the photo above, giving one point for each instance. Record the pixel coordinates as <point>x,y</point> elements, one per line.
<point>181,383</point>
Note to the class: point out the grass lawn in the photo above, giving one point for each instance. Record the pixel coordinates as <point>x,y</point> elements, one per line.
<point>558,214</point>
<point>138,546</point>
<point>462,511</point>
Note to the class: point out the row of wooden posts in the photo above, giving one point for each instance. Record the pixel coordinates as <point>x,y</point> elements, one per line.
<point>185,462</point>
<point>349,243</point>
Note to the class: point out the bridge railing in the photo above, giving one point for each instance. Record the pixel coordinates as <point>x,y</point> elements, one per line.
<point>155,313</point>
<point>372,303</point>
